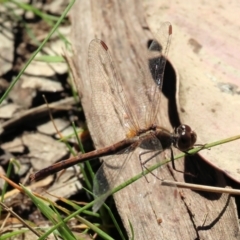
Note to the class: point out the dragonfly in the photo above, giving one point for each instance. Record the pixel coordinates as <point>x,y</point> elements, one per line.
<point>140,121</point>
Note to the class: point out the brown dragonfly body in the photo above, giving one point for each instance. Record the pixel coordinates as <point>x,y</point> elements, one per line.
<point>182,138</point>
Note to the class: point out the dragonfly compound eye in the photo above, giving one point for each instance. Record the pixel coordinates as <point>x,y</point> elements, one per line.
<point>187,137</point>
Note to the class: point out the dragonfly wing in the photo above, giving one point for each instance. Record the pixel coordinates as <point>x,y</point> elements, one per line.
<point>107,176</point>
<point>157,66</point>
<point>151,75</point>
<point>110,111</point>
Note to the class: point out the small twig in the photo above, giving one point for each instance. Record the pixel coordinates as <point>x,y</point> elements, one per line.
<point>36,112</point>
<point>200,187</point>
<point>20,219</point>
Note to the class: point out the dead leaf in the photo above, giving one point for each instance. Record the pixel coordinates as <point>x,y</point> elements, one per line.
<point>205,53</point>
<point>44,150</point>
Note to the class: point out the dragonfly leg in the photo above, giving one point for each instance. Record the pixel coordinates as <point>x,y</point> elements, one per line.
<point>174,167</point>
<point>143,163</point>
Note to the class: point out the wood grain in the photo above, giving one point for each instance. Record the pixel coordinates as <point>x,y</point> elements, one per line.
<point>148,206</point>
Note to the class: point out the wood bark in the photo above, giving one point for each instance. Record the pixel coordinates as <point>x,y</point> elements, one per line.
<point>155,212</point>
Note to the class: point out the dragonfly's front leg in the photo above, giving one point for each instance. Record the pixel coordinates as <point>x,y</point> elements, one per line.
<point>143,163</point>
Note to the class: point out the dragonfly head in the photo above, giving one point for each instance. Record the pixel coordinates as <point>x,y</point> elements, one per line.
<point>184,137</point>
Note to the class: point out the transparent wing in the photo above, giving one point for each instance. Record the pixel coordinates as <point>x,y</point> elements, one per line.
<point>151,76</point>
<point>108,174</point>
<point>109,104</point>
<point>157,67</point>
